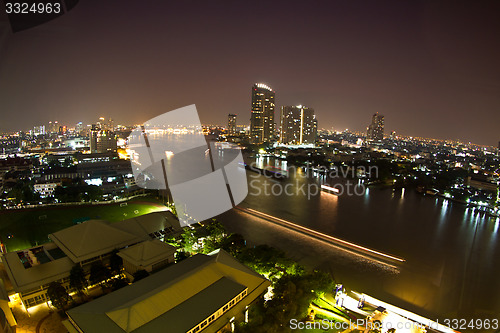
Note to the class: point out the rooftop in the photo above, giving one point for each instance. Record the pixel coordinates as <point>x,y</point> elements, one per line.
<point>91,239</point>
<point>147,253</point>
<point>180,296</point>
<point>25,278</point>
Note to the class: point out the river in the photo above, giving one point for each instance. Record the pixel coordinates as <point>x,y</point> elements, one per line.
<point>451,252</point>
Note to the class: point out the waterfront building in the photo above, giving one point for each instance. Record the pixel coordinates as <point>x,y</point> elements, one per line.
<point>298,125</point>
<point>262,116</point>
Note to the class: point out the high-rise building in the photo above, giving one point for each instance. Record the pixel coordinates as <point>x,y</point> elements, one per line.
<point>262,117</point>
<point>105,124</point>
<point>101,140</point>
<point>39,130</point>
<point>231,124</point>
<point>79,128</point>
<point>53,127</point>
<point>375,131</point>
<point>298,125</point>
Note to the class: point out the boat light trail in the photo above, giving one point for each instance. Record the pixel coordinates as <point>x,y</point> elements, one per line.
<point>325,236</point>
<point>329,188</point>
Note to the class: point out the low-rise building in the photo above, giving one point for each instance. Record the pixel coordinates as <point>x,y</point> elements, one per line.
<point>31,271</point>
<point>46,190</point>
<point>149,256</point>
<point>202,293</point>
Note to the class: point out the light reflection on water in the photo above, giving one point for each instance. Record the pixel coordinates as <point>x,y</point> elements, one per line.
<point>434,235</point>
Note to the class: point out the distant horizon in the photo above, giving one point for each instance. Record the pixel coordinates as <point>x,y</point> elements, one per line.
<point>431,68</point>
<point>277,113</point>
<point>320,128</point>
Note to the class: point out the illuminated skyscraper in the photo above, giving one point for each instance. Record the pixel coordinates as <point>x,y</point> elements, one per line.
<point>53,127</point>
<point>298,125</point>
<point>105,124</point>
<point>262,117</point>
<point>231,124</point>
<point>79,128</point>
<point>101,140</point>
<point>375,131</point>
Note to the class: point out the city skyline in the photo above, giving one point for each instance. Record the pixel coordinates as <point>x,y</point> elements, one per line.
<point>264,166</point>
<point>426,67</point>
<point>362,132</point>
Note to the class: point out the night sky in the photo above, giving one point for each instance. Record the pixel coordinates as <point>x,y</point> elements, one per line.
<point>432,68</point>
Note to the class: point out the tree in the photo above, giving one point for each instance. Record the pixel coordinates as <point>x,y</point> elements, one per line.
<point>23,192</point>
<point>77,279</point>
<point>172,209</point>
<point>58,295</point>
<point>140,274</point>
<point>214,234</point>
<point>234,244</point>
<point>188,239</point>
<point>215,229</point>
<point>119,283</point>
<point>268,261</point>
<point>91,193</point>
<point>99,273</point>
<point>180,256</point>
<point>320,282</point>
<point>115,263</point>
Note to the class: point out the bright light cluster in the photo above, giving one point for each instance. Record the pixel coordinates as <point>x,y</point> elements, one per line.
<point>262,85</point>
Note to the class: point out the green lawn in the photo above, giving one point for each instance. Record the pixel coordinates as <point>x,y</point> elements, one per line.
<point>29,227</point>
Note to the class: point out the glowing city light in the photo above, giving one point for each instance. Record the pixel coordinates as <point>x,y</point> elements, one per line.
<point>410,315</point>
<point>263,86</point>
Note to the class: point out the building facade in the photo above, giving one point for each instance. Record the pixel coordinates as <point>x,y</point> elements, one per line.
<point>262,116</point>
<point>231,124</point>
<point>375,131</point>
<point>102,140</point>
<point>298,125</point>
<point>46,190</point>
